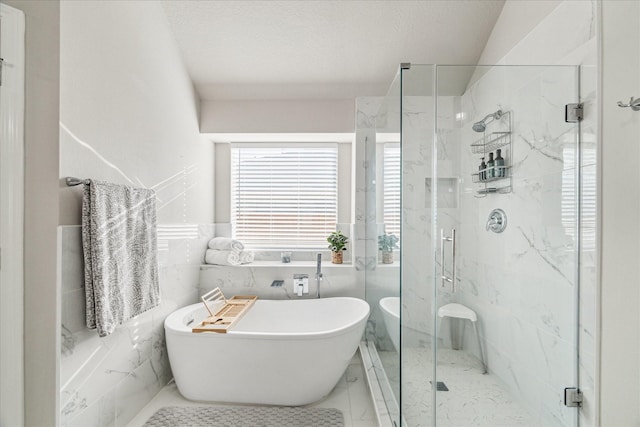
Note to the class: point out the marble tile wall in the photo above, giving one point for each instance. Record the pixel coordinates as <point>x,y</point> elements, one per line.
<point>106,381</point>
<point>419,150</point>
<point>522,282</point>
<point>377,120</point>
<point>577,18</point>
<point>339,280</point>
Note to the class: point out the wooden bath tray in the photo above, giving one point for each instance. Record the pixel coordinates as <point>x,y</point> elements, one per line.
<point>224,318</point>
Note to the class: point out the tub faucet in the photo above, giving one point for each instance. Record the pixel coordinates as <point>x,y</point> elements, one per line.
<point>318,274</point>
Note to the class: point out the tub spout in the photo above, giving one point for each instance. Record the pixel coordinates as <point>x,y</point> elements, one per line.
<point>318,275</point>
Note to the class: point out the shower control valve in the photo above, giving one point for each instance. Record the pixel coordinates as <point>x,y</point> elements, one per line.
<point>497,221</point>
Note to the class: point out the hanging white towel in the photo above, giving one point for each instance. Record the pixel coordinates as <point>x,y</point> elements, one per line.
<point>226,244</point>
<point>215,256</point>
<point>120,253</point>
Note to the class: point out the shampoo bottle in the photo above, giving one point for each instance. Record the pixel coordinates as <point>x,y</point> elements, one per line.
<point>482,174</point>
<point>500,172</point>
<point>490,167</point>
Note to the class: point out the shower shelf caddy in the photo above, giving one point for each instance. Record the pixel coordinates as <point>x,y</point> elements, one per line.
<point>490,142</point>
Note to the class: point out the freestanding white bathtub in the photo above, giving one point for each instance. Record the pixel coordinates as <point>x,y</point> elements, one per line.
<point>391,314</point>
<point>283,352</point>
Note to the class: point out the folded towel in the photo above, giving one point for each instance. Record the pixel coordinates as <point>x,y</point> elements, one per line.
<point>226,244</point>
<point>246,257</point>
<point>214,256</point>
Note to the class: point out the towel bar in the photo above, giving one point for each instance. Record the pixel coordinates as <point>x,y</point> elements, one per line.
<point>73,181</point>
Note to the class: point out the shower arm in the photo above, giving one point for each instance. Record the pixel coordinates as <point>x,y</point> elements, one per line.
<point>496,116</point>
<point>487,116</point>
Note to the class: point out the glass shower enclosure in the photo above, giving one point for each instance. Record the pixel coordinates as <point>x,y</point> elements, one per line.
<point>475,171</point>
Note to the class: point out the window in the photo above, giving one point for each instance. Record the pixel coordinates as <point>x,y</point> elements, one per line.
<point>391,188</point>
<point>284,197</point>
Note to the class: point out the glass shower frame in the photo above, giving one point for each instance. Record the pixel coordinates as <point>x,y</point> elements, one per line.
<point>430,111</point>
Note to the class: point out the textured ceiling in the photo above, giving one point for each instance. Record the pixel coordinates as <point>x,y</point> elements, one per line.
<point>321,49</point>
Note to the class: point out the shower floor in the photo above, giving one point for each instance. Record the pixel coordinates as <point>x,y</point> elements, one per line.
<point>473,399</point>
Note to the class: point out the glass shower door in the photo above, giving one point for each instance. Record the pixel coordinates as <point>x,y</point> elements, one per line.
<point>418,256</point>
<point>504,207</point>
<point>379,134</point>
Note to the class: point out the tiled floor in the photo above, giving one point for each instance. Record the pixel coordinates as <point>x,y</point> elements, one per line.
<point>473,399</point>
<point>350,395</point>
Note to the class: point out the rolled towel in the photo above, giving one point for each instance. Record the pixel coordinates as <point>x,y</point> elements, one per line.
<point>246,257</point>
<point>214,256</point>
<point>226,244</point>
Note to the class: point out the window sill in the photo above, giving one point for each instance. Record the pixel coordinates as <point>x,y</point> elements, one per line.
<point>272,264</point>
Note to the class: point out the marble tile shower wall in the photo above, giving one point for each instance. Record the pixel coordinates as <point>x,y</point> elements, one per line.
<point>106,381</point>
<point>383,115</point>
<point>373,116</point>
<point>522,282</point>
<point>417,187</point>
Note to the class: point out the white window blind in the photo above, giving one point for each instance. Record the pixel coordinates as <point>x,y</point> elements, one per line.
<point>569,201</point>
<point>284,197</point>
<point>391,193</point>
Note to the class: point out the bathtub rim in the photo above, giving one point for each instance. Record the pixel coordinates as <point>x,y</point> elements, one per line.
<point>385,302</point>
<point>174,324</point>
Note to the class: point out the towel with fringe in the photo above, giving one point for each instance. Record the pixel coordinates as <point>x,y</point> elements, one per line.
<point>226,244</point>
<point>228,257</point>
<point>120,253</point>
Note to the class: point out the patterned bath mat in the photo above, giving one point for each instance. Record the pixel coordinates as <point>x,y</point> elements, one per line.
<point>245,416</point>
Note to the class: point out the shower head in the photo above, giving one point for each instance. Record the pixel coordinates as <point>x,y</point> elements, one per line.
<point>481,126</point>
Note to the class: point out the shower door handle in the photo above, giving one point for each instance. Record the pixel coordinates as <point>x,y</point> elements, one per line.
<point>443,277</point>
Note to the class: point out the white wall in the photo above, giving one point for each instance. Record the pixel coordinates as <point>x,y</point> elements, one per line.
<point>129,111</point>
<point>620,201</point>
<point>12,46</point>
<point>278,116</point>
<point>41,295</point>
<point>129,115</point>
<point>517,19</point>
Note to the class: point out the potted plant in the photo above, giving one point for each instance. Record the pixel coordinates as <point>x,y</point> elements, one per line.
<point>337,244</point>
<point>386,244</point>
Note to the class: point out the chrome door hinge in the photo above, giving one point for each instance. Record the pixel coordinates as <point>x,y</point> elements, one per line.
<point>572,397</point>
<point>573,113</point>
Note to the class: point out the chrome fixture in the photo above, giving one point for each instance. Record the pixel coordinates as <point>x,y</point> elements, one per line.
<point>634,104</point>
<point>318,274</point>
<point>481,126</point>
<point>443,277</point>
<point>72,181</point>
<point>497,221</point>
<point>300,284</point>
<point>573,397</point>
<point>573,113</point>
